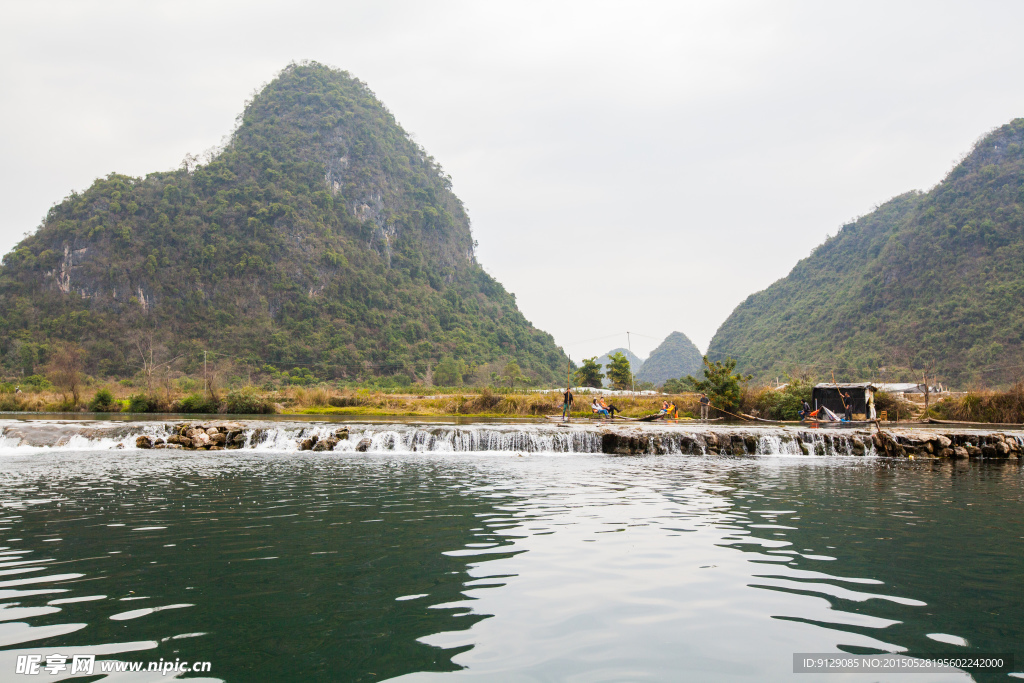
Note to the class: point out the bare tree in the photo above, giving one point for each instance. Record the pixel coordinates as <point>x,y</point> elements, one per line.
<point>65,370</point>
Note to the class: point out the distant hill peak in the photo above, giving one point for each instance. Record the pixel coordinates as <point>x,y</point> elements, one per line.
<point>675,357</point>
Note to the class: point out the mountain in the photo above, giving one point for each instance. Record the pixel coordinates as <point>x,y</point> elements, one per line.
<point>928,283</point>
<point>675,357</point>
<point>634,363</point>
<point>321,236</point>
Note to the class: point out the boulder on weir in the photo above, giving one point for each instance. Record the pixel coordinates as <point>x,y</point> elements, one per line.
<point>143,442</point>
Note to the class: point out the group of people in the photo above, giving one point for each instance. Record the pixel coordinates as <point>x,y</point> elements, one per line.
<point>599,405</point>
<point>604,409</point>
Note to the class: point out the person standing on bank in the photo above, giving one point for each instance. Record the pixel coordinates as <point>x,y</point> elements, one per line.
<point>567,401</point>
<point>705,403</point>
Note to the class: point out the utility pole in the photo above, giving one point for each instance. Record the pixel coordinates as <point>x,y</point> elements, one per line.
<point>629,346</point>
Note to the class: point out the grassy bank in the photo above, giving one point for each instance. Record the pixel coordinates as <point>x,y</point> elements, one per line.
<point>326,400</point>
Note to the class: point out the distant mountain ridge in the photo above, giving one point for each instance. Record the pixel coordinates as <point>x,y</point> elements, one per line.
<point>675,357</point>
<point>928,284</point>
<point>320,236</point>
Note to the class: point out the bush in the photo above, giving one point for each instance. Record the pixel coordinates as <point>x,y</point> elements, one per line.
<point>247,401</point>
<point>104,402</point>
<point>37,382</point>
<point>196,403</point>
<point>141,403</point>
<point>6,388</point>
<point>779,404</point>
<point>10,403</point>
<point>989,406</point>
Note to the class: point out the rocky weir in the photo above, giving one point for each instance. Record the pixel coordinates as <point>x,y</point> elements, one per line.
<point>615,439</point>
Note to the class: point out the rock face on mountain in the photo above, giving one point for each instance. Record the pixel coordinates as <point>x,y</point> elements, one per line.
<point>321,236</point>
<point>929,284</point>
<point>675,357</point>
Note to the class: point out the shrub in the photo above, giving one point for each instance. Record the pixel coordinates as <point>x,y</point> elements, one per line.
<point>196,403</point>
<point>247,401</point>
<point>37,382</point>
<point>141,403</point>
<point>104,402</point>
<point>780,404</point>
<point>6,388</point>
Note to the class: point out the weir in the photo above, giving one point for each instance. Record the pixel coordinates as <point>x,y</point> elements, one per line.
<point>615,439</point>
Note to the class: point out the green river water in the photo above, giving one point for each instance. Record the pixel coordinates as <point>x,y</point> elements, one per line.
<point>499,566</point>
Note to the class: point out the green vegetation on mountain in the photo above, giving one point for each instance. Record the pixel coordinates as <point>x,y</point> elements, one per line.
<point>320,238</point>
<point>675,357</point>
<point>929,284</point>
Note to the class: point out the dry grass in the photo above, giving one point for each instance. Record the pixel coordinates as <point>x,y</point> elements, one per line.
<point>984,406</point>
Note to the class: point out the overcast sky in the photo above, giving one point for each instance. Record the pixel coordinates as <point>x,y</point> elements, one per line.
<point>627,165</point>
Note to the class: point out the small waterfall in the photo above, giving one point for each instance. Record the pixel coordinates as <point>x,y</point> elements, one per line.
<point>625,439</point>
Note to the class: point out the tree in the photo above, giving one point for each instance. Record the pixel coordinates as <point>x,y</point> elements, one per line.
<point>678,386</point>
<point>619,371</point>
<point>589,374</point>
<point>65,370</point>
<point>512,374</point>
<point>720,384</point>
<point>448,372</point>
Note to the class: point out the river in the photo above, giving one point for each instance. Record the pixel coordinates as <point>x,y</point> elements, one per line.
<point>510,565</point>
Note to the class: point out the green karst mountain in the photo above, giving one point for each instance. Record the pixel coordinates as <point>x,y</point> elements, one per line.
<point>928,283</point>
<point>320,236</point>
<point>675,357</point>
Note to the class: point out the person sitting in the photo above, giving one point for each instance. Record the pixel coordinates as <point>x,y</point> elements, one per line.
<point>598,408</point>
<point>805,411</point>
<point>610,408</point>
<point>671,411</point>
<point>664,408</point>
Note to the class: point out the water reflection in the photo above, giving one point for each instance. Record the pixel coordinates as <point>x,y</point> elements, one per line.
<point>277,567</point>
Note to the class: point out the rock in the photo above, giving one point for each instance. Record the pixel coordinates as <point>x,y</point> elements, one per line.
<point>174,446</point>
<point>973,451</point>
<point>341,434</point>
<point>711,439</point>
<point>988,451</point>
<point>327,444</point>
<point>737,447</point>
<point>308,444</point>
<point>947,453</point>
<point>216,448</point>
<point>238,439</point>
<point>1002,449</point>
<point>259,436</point>
<point>218,439</point>
<point>158,441</point>
<point>960,452</point>
<point>363,445</point>
<point>174,438</point>
<point>942,441</point>
<point>185,442</point>
<point>804,448</point>
<point>751,443</point>
<point>143,442</point>
<point>211,431</point>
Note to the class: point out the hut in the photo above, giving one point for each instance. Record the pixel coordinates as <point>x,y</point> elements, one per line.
<point>862,398</point>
